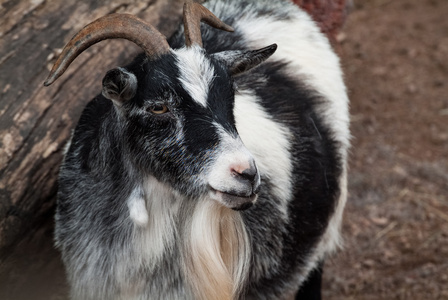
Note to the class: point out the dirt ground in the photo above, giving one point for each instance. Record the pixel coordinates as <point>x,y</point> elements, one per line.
<point>395,56</point>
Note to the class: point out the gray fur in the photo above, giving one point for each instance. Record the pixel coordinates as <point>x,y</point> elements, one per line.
<point>132,180</point>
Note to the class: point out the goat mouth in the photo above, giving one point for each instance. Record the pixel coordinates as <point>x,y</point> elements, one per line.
<point>234,201</point>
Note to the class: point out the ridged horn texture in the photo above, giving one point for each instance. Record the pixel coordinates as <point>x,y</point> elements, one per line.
<point>194,13</point>
<point>112,26</point>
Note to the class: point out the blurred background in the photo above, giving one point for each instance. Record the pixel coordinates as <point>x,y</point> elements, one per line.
<point>395,57</point>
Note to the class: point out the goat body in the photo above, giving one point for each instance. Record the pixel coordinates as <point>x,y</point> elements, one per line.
<point>206,178</point>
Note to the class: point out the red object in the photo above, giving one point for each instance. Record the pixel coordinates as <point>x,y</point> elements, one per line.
<point>329,14</point>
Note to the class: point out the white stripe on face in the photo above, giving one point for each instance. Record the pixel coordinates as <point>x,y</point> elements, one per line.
<point>232,157</point>
<point>196,72</point>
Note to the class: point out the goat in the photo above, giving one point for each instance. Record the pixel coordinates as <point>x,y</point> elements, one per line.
<point>207,171</point>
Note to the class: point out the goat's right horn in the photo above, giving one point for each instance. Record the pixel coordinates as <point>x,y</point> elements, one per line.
<point>194,13</point>
<point>112,26</point>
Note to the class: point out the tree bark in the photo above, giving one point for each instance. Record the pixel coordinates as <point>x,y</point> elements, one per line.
<point>329,14</point>
<point>36,122</point>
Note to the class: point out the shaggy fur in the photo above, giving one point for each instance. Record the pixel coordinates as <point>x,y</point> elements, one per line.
<point>235,191</point>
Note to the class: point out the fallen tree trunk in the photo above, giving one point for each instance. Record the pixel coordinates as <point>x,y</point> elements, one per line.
<point>35,122</point>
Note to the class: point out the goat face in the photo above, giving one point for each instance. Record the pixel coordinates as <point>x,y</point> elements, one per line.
<point>178,122</point>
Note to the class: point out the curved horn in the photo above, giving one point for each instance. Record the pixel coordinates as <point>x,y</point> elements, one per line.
<point>194,13</point>
<point>112,26</point>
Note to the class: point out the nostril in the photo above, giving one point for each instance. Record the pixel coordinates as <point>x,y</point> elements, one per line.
<point>249,174</point>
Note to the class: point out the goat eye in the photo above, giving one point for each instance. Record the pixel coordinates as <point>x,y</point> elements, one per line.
<point>158,109</point>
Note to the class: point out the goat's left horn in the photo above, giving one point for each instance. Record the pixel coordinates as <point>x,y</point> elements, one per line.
<point>112,26</point>
<point>194,13</point>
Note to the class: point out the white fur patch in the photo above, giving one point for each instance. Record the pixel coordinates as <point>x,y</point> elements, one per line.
<point>137,208</point>
<point>268,141</point>
<point>310,58</point>
<point>196,72</point>
<point>158,236</point>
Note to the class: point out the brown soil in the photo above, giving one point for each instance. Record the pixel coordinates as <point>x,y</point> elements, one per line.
<point>395,55</point>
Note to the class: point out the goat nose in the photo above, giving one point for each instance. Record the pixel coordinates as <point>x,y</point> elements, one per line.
<point>249,175</point>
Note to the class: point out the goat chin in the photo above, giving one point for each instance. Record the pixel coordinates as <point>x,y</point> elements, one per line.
<point>216,251</point>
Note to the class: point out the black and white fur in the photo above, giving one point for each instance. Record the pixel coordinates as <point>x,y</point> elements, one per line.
<point>156,206</point>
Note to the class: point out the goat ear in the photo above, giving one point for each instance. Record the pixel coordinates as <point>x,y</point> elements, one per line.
<point>241,61</point>
<point>119,85</point>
